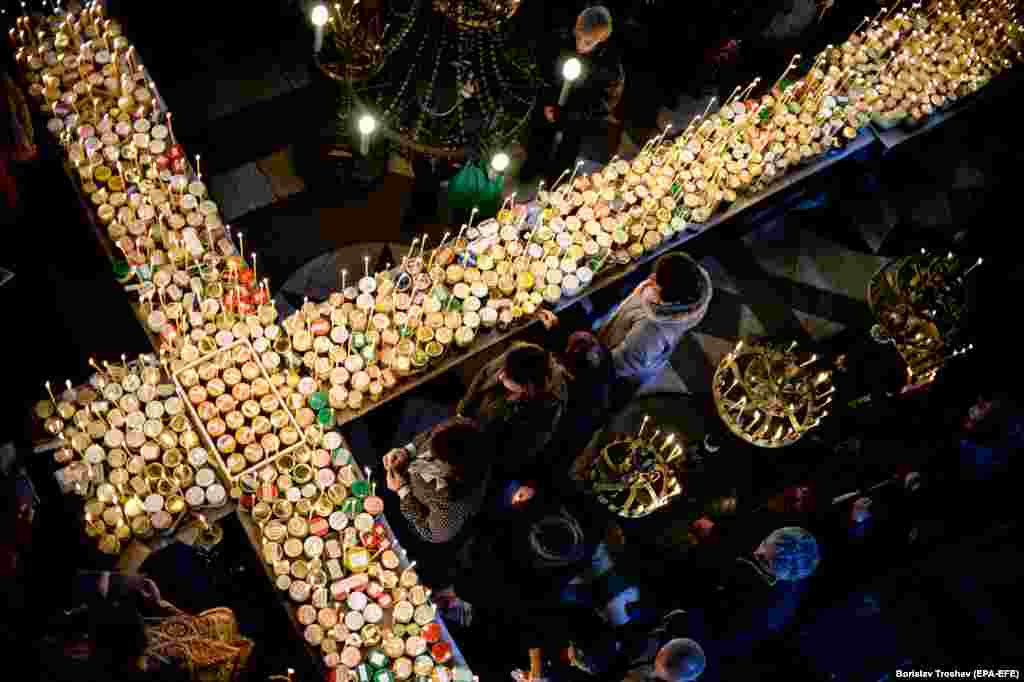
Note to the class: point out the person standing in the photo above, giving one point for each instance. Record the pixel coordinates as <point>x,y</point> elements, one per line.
<point>591,99</point>
<point>518,399</point>
<point>645,329</point>
<point>440,479</point>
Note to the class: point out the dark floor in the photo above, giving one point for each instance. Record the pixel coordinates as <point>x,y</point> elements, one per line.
<point>246,97</point>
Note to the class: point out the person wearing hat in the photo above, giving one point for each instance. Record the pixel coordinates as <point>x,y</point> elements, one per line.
<point>645,329</point>
<point>757,594</point>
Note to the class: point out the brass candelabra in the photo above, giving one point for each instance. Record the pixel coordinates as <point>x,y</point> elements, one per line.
<point>638,474</point>
<point>477,15</point>
<point>357,30</point>
<point>770,394</point>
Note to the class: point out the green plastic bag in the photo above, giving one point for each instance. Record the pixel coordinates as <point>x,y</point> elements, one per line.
<point>471,188</point>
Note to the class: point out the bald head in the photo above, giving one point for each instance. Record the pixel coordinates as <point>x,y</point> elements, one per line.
<point>593,27</point>
<point>680,660</point>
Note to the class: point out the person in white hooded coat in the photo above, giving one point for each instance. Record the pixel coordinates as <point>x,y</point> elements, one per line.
<point>645,329</point>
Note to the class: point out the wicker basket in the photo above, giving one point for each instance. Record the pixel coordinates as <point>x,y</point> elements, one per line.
<point>209,645</point>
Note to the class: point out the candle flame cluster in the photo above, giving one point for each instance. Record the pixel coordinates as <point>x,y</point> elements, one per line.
<point>84,73</point>
<point>920,302</point>
<point>477,15</point>
<point>122,440</point>
<point>770,394</point>
<point>357,34</point>
<point>639,474</point>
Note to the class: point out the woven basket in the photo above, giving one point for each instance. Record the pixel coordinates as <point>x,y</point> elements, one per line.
<point>209,645</point>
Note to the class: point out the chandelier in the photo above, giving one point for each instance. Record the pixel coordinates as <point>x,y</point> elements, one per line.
<point>638,474</point>
<point>440,78</point>
<point>357,32</point>
<point>770,394</point>
<point>479,15</point>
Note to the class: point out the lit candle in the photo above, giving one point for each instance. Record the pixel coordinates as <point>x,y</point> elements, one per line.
<point>575,170</point>
<point>571,70</point>
<point>52,399</point>
<point>813,359</point>
<point>643,425</point>
<point>366,266</point>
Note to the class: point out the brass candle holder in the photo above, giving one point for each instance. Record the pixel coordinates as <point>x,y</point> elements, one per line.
<point>210,535</point>
<point>636,475</point>
<point>770,394</point>
<point>920,302</point>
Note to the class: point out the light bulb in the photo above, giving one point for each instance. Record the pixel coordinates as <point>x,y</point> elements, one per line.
<point>499,162</point>
<point>319,16</point>
<point>572,69</point>
<point>367,124</point>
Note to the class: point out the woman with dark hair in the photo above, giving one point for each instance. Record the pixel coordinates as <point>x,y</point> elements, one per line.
<point>518,399</point>
<point>440,479</point>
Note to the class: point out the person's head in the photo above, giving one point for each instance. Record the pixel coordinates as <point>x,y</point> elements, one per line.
<point>586,356</point>
<point>526,371</point>
<point>680,660</point>
<point>593,27</point>
<point>677,279</point>
<point>459,442</point>
<point>789,553</point>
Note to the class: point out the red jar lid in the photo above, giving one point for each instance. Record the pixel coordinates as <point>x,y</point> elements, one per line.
<point>319,526</point>
<point>441,651</point>
<point>431,632</point>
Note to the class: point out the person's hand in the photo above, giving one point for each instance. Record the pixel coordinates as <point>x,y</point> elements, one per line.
<point>523,494</point>
<point>550,113</point>
<point>520,676</point>
<point>547,318</point>
<point>142,586</point>
<point>395,481</point>
<point>396,460</point>
<point>149,591</point>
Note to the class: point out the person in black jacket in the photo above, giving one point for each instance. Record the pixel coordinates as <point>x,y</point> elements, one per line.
<point>590,101</point>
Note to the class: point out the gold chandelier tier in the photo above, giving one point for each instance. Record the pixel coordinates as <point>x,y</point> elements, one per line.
<point>357,32</point>
<point>920,302</point>
<point>770,394</point>
<point>477,15</point>
<point>636,475</point>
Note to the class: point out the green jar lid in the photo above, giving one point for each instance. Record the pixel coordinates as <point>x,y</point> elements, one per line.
<point>352,505</point>
<point>413,630</point>
<point>358,339</point>
<point>341,457</point>
<point>317,401</point>
<point>325,416</point>
<point>399,629</point>
<point>383,676</point>
<point>361,489</point>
